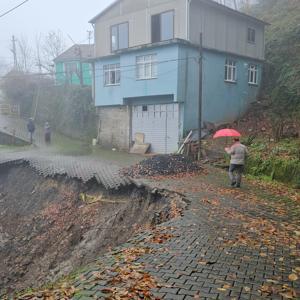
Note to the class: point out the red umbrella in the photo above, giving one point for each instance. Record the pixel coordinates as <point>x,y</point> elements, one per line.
<point>226,133</point>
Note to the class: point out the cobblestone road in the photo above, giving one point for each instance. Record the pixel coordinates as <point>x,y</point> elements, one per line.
<point>230,244</point>
<point>82,167</point>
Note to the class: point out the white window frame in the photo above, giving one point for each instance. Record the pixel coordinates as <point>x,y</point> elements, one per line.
<point>143,62</point>
<point>253,74</point>
<point>118,27</point>
<point>112,74</point>
<point>230,71</point>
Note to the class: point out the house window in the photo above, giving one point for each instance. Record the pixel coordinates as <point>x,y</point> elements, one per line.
<point>112,74</point>
<point>230,71</point>
<point>162,26</point>
<point>71,68</point>
<point>253,74</point>
<point>119,36</point>
<point>146,67</point>
<point>251,35</point>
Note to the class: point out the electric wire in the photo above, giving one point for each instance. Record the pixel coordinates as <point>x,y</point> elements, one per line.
<point>12,9</point>
<point>129,68</point>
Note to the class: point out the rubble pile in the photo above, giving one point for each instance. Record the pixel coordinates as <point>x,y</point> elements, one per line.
<point>163,165</point>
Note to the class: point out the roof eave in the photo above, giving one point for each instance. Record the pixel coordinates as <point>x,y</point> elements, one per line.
<point>93,20</point>
<point>221,6</point>
<point>236,12</point>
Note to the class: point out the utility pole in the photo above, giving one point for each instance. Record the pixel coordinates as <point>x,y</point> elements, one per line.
<point>14,51</point>
<point>90,33</point>
<point>79,53</point>
<point>200,96</point>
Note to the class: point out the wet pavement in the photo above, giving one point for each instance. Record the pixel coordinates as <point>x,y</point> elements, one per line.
<point>229,244</point>
<point>83,168</point>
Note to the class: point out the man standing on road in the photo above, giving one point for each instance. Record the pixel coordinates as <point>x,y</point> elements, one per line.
<point>238,153</point>
<point>31,129</point>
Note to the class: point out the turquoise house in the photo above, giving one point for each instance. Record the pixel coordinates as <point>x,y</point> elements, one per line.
<point>146,72</point>
<point>72,66</point>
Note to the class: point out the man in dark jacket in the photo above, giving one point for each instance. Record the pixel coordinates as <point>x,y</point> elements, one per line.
<point>31,129</point>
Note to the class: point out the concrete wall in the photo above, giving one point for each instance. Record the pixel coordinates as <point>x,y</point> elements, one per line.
<point>222,29</point>
<point>178,81</point>
<point>6,139</point>
<point>61,77</point>
<point>138,13</point>
<point>225,102</point>
<point>222,101</point>
<point>224,32</point>
<point>114,127</point>
<point>130,87</point>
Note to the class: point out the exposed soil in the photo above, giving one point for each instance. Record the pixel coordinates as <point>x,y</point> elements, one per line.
<point>50,227</point>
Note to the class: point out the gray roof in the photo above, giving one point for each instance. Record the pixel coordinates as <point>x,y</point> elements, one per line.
<point>73,53</point>
<point>209,2</point>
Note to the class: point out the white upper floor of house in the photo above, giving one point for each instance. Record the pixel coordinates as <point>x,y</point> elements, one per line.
<point>132,23</point>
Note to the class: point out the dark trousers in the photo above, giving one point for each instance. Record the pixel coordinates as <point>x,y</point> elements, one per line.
<point>31,137</point>
<point>48,137</point>
<point>235,174</point>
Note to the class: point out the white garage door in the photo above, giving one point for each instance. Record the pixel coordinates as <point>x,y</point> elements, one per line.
<point>160,125</point>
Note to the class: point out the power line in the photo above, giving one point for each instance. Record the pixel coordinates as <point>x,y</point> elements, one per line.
<point>12,9</point>
<point>129,68</point>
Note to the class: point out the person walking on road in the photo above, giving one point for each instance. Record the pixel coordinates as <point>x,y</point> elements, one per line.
<point>47,130</point>
<point>238,153</point>
<point>31,129</point>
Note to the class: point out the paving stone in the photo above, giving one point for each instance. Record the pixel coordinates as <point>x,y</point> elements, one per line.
<point>173,291</point>
<point>174,297</point>
<point>186,292</point>
<point>198,259</point>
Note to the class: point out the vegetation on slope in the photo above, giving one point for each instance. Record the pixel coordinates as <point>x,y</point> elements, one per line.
<point>281,84</point>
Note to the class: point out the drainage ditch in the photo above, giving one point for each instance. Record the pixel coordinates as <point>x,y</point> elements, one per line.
<point>50,227</point>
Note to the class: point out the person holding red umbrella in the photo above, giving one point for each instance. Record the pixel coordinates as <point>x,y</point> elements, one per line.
<point>238,153</point>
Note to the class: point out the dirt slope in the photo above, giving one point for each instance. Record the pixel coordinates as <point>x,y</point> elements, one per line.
<point>50,227</point>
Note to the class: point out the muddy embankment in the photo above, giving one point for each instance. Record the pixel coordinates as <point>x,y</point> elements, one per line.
<point>51,227</point>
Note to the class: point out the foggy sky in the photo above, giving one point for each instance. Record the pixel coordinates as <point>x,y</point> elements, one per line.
<point>42,16</point>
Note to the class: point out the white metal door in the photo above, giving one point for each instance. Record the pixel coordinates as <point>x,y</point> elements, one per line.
<point>160,125</point>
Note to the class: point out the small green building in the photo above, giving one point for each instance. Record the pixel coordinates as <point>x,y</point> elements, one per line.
<point>71,67</point>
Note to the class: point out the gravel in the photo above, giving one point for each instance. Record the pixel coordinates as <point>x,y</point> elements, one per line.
<point>163,165</point>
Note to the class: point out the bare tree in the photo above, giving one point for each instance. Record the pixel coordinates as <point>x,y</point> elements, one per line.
<point>38,52</point>
<point>25,55</point>
<point>53,45</point>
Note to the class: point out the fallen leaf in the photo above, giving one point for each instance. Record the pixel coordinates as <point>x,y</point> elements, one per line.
<point>293,277</point>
